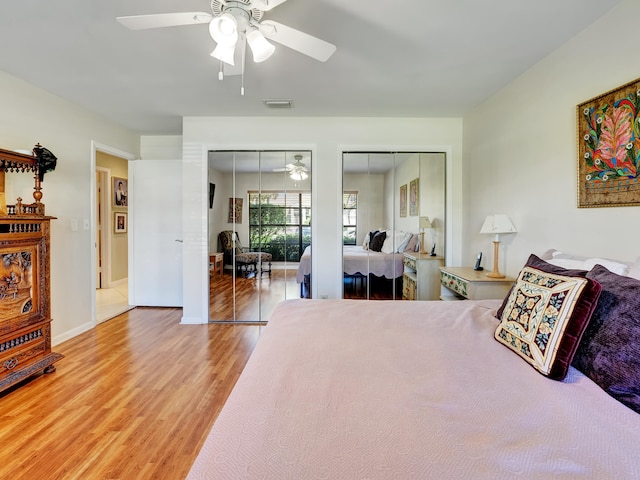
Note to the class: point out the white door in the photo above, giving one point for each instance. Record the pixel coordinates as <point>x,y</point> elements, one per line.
<point>156,208</point>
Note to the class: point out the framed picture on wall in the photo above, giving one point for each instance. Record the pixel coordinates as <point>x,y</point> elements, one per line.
<point>235,210</point>
<point>119,222</point>
<point>120,195</point>
<point>212,192</point>
<point>413,197</point>
<point>403,200</point>
<point>608,148</point>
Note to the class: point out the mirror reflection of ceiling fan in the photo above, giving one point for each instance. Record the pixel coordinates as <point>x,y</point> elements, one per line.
<point>233,24</point>
<point>297,170</point>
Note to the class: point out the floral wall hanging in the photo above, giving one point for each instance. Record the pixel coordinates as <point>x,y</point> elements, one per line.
<point>609,148</point>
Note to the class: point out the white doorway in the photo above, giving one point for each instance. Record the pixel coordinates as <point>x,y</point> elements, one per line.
<point>111,261</point>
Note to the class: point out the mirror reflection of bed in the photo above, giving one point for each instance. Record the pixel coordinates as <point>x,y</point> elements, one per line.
<point>388,193</point>
<point>267,206</point>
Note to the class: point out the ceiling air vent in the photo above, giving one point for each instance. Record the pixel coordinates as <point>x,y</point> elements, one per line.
<point>278,103</point>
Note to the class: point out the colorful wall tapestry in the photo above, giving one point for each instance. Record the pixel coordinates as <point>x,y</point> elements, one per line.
<point>609,148</point>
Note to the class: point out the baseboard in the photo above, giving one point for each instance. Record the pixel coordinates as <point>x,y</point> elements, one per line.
<point>85,327</point>
<point>117,283</point>
<point>191,321</point>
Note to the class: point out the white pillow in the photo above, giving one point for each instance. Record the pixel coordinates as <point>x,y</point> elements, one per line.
<point>367,239</point>
<point>404,242</point>
<point>615,267</point>
<point>566,260</point>
<point>634,270</point>
<point>393,238</point>
<point>567,263</point>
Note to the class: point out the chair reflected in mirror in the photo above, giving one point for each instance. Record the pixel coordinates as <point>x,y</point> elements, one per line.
<point>246,261</point>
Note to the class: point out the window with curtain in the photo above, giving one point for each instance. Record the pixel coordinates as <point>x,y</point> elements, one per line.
<point>349,218</point>
<point>280,223</point>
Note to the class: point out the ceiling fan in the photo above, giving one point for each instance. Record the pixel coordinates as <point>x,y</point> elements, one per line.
<point>297,170</point>
<point>233,24</point>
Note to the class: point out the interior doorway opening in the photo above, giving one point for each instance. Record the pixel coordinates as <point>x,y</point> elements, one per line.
<point>111,236</point>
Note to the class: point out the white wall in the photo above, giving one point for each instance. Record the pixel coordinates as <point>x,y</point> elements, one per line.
<point>371,196</point>
<point>326,138</point>
<point>520,151</point>
<point>28,116</point>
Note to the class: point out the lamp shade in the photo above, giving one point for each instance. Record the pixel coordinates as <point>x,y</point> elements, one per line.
<point>498,223</point>
<point>224,29</point>
<point>425,222</point>
<point>260,47</point>
<point>224,53</point>
<point>298,175</point>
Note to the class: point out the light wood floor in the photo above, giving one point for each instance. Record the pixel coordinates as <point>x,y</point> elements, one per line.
<point>133,398</point>
<point>111,302</point>
<point>255,296</point>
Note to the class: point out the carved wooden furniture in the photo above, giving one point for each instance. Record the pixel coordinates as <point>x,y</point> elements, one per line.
<point>25,301</point>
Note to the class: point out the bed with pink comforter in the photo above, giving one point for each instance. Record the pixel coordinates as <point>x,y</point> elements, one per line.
<point>346,389</point>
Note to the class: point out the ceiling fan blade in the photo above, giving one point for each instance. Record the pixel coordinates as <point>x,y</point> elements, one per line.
<point>266,5</point>
<point>159,20</point>
<point>297,40</point>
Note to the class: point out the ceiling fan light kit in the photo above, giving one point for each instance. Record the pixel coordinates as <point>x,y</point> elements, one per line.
<point>234,24</point>
<point>224,53</point>
<point>260,47</point>
<point>224,30</point>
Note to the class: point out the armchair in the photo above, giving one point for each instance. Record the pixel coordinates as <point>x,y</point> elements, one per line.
<point>244,259</point>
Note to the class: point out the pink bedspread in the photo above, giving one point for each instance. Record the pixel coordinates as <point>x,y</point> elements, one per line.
<point>355,259</point>
<point>350,389</point>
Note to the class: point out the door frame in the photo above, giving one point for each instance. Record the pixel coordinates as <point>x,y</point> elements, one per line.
<point>105,239</point>
<point>100,147</point>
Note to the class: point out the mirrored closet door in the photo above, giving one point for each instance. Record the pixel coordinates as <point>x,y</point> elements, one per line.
<point>259,229</point>
<point>393,223</point>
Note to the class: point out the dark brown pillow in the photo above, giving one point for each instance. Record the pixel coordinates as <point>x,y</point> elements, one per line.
<point>377,241</point>
<point>609,352</point>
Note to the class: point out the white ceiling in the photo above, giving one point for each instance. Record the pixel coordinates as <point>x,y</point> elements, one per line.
<point>403,58</point>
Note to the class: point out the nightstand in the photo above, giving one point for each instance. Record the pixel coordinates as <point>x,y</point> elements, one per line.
<point>216,262</point>
<point>466,283</point>
<point>420,276</point>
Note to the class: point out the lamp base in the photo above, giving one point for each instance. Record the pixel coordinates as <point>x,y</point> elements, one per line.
<point>495,275</point>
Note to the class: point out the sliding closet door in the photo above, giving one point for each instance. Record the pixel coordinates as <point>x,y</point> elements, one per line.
<point>389,192</point>
<point>368,205</point>
<point>262,199</point>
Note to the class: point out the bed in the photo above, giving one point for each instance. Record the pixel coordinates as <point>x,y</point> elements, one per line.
<point>357,263</point>
<point>346,389</point>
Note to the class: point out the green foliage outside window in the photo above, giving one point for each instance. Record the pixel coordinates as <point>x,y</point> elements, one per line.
<point>280,224</point>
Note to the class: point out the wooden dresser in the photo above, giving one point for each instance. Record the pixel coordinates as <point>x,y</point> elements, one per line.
<point>25,303</point>
<point>465,282</point>
<point>420,278</point>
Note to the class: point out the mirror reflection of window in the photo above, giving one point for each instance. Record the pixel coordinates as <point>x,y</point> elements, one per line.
<point>349,218</point>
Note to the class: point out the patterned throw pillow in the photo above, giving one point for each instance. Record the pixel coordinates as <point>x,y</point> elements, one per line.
<point>544,318</point>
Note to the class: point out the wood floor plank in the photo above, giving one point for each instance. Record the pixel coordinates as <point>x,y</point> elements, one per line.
<point>133,398</point>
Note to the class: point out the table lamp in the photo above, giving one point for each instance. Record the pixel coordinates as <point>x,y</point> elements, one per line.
<point>497,224</point>
<point>424,224</point>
